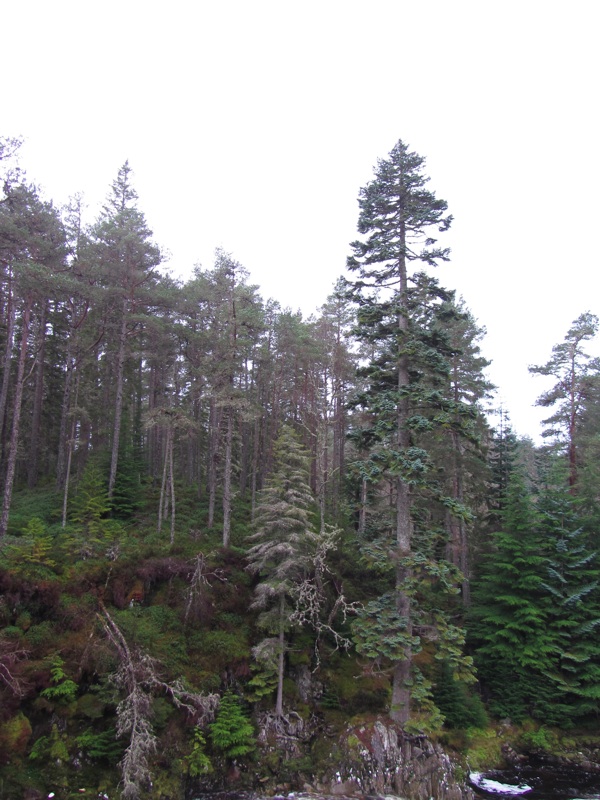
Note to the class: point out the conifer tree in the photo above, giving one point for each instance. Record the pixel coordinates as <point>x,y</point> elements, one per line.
<point>284,539</point>
<point>457,443</point>
<point>127,259</point>
<point>398,315</point>
<point>577,377</point>
<point>510,619</point>
<point>231,733</point>
<point>573,582</point>
<point>33,251</point>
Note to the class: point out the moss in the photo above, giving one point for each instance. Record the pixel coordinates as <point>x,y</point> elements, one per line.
<point>90,706</point>
<point>12,632</point>
<point>23,621</point>
<point>484,749</point>
<point>217,650</point>
<point>162,710</point>
<point>41,635</point>
<point>541,739</point>
<point>15,734</point>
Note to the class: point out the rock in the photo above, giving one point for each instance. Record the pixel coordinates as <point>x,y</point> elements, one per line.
<point>378,759</point>
<point>309,689</point>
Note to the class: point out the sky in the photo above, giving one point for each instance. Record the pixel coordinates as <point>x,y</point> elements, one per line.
<point>252,124</point>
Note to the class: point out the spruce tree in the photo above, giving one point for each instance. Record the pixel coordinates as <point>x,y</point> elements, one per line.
<point>573,582</point>
<point>510,631</point>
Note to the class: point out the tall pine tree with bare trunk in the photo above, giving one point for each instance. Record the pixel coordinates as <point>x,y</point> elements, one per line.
<point>127,258</point>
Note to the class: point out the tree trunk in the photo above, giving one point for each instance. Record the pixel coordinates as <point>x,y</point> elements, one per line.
<point>163,502</point>
<point>8,354</point>
<point>38,398</point>
<point>227,479</point>
<point>400,708</point>
<point>172,479</point>
<point>16,415</point>
<point>213,442</point>
<point>457,547</point>
<point>281,661</point>
<point>255,454</point>
<point>63,448</point>
<point>362,507</point>
<point>114,462</point>
<point>69,444</point>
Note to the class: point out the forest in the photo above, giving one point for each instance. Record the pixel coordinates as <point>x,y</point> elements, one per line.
<point>227,531</point>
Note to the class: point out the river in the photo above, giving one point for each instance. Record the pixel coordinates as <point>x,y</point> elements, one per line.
<point>529,782</point>
<point>524,782</point>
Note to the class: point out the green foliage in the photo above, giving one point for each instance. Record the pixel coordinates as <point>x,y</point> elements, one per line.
<point>42,634</point>
<point>162,711</point>
<point>285,541</point>
<point>15,733</point>
<point>428,718</point>
<point>64,690</point>
<point>229,647</point>
<point>263,682</point>
<point>90,504</point>
<point>23,621</point>
<point>536,611</point>
<point>127,494</point>
<point>408,400</point>
<point>90,705</point>
<point>40,749</point>
<point>41,543</point>
<point>197,762</point>
<point>572,581</point>
<point>509,620</point>
<point>577,377</point>
<point>484,749</point>
<point>42,503</point>
<point>380,631</point>
<point>90,532</point>
<point>330,699</point>
<point>30,555</point>
<point>50,747</point>
<point>231,733</point>
<point>101,745</point>
<point>542,739</point>
<point>460,708</point>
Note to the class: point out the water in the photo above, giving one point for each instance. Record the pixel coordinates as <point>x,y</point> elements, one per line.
<point>535,783</point>
<point>522,783</point>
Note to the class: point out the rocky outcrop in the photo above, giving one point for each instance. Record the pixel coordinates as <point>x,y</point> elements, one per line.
<point>378,759</point>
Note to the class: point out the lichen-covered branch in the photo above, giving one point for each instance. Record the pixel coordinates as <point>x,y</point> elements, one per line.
<point>137,676</point>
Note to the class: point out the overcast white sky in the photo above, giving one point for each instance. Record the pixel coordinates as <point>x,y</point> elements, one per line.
<point>252,125</point>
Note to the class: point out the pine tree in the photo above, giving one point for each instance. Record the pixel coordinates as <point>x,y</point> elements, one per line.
<point>33,247</point>
<point>577,378</point>
<point>127,259</point>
